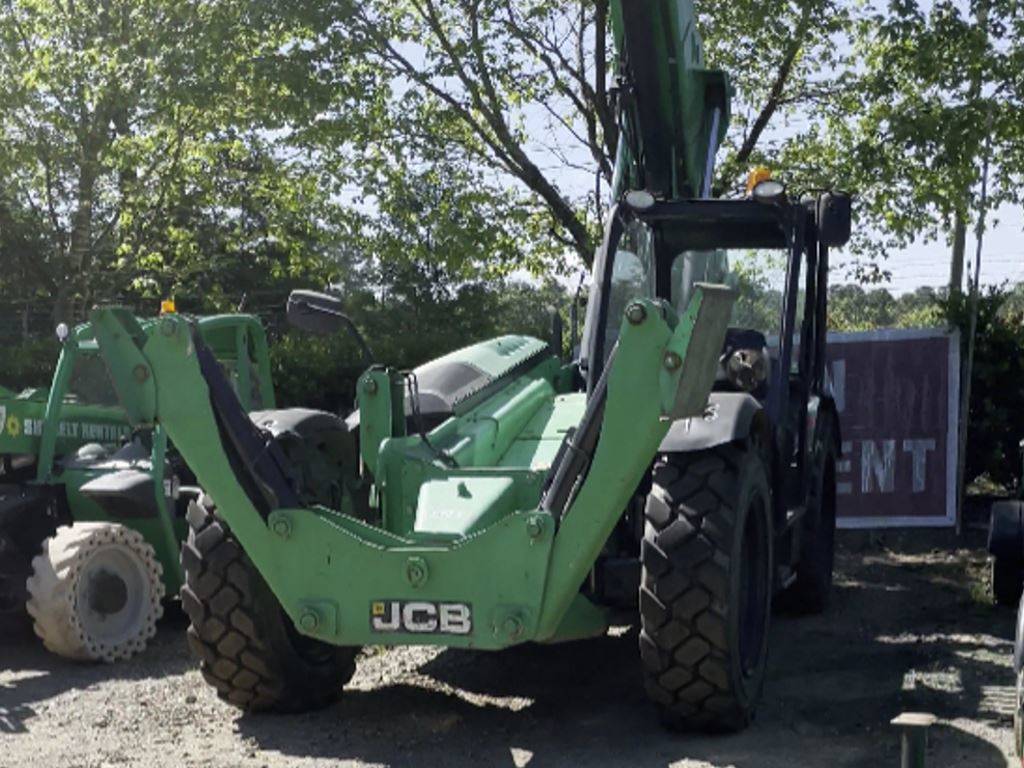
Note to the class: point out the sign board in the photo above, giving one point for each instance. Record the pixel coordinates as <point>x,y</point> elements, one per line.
<point>898,394</point>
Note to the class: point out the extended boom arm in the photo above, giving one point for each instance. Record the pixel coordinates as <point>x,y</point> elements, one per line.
<point>673,112</point>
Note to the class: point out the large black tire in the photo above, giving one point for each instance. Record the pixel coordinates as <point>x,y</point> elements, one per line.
<point>15,568</point>
<point>248,648</point>
<point>705,595</point>
<point>1007,579</point>
<point>23,529</point>
<point>811,590</point>
<point>1018,671</point>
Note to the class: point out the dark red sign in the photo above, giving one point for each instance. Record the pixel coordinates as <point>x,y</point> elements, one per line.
<point>898,397</point>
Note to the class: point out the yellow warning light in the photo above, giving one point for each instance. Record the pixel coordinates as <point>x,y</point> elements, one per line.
<point>167,307</point>
<point>756,176</point>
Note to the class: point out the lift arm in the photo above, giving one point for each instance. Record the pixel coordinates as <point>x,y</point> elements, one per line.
<point>673,112</point>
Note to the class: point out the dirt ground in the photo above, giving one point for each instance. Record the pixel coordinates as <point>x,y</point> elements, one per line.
<point>910,628</point>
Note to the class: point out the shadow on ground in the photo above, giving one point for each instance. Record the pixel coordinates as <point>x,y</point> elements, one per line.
<point>907,630</point>
<point>33,675</point>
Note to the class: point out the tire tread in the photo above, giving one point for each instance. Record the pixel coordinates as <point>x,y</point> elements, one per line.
<point>684,592</point>
<point>237,629</point>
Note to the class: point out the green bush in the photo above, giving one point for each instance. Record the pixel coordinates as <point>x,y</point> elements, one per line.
<point>29,363</point>
<point>313,372</point>
<point>412,325</point>
<point>997,387</point>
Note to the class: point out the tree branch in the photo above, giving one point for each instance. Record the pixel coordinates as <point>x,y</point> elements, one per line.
<point>774,100</point>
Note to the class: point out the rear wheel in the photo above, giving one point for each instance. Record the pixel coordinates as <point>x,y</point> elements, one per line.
<point>23,529</point>
<point>706,590</point>
<point>813,586</point>
<point>248,648</point>
<point>1007,578</point>
<point>96,592</point>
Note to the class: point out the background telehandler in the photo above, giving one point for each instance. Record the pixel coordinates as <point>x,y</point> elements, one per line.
<point>91,513</point>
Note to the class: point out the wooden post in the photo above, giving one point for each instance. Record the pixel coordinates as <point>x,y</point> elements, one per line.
<point>913,728</point>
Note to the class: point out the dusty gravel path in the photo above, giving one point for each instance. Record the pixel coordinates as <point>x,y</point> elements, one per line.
<point>907,630</point>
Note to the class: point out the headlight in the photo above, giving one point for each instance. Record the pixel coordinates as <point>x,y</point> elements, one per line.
<point>640,199</point>
<point>770,191</point>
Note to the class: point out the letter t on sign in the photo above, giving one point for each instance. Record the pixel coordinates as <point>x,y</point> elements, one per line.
<point>919,450</point>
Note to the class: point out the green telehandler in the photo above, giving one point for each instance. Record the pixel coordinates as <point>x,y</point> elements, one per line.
<point>680,467</point>
<point>92,511</point>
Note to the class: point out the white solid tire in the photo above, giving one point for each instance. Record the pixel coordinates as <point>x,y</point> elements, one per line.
<point>96,592</point>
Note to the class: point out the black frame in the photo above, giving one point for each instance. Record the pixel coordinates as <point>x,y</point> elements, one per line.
<point>708,224</point>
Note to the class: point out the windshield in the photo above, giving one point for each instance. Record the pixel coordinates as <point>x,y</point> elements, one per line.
<point>757,275</point>
<point>632,276</point>
<point>90,384</point>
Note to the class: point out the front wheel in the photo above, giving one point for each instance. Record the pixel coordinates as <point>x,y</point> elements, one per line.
<point>248,648</point>
<point>705,595</point>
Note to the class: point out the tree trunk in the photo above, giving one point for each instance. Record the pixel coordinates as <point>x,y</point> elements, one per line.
<point>79,260</point>
<point>956,266</point>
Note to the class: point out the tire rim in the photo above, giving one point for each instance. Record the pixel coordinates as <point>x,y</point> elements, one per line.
<point>754,581</point>
<point>112,596</point>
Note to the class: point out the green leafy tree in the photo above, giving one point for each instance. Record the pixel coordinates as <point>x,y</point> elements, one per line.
<point>934,86</point>
<point>520,91</point>
<point>145,139</point>
<point>785,61</point>
<point>997,385</point>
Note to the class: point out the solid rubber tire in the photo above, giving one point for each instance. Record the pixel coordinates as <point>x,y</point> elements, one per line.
<point>55,598</point>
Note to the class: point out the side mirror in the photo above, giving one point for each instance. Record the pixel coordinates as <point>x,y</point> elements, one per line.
<point>323,314</point>
<point>557,330</point>
<point>834,214</point>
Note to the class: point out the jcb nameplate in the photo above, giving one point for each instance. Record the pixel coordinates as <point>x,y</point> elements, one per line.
<point>421,617</point>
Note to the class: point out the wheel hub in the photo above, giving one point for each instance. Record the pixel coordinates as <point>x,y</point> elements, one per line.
<point>107,593</point>
<point>112,596</point>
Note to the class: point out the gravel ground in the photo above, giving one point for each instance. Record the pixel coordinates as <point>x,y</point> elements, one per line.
<point>909,629</point>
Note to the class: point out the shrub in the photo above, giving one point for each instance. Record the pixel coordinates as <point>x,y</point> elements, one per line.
<point>997,387</point>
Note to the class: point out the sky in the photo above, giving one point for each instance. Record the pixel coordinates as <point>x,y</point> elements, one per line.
<point>1002,256</point>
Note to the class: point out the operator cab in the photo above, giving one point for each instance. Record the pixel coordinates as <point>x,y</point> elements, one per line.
<point>775,254</point>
